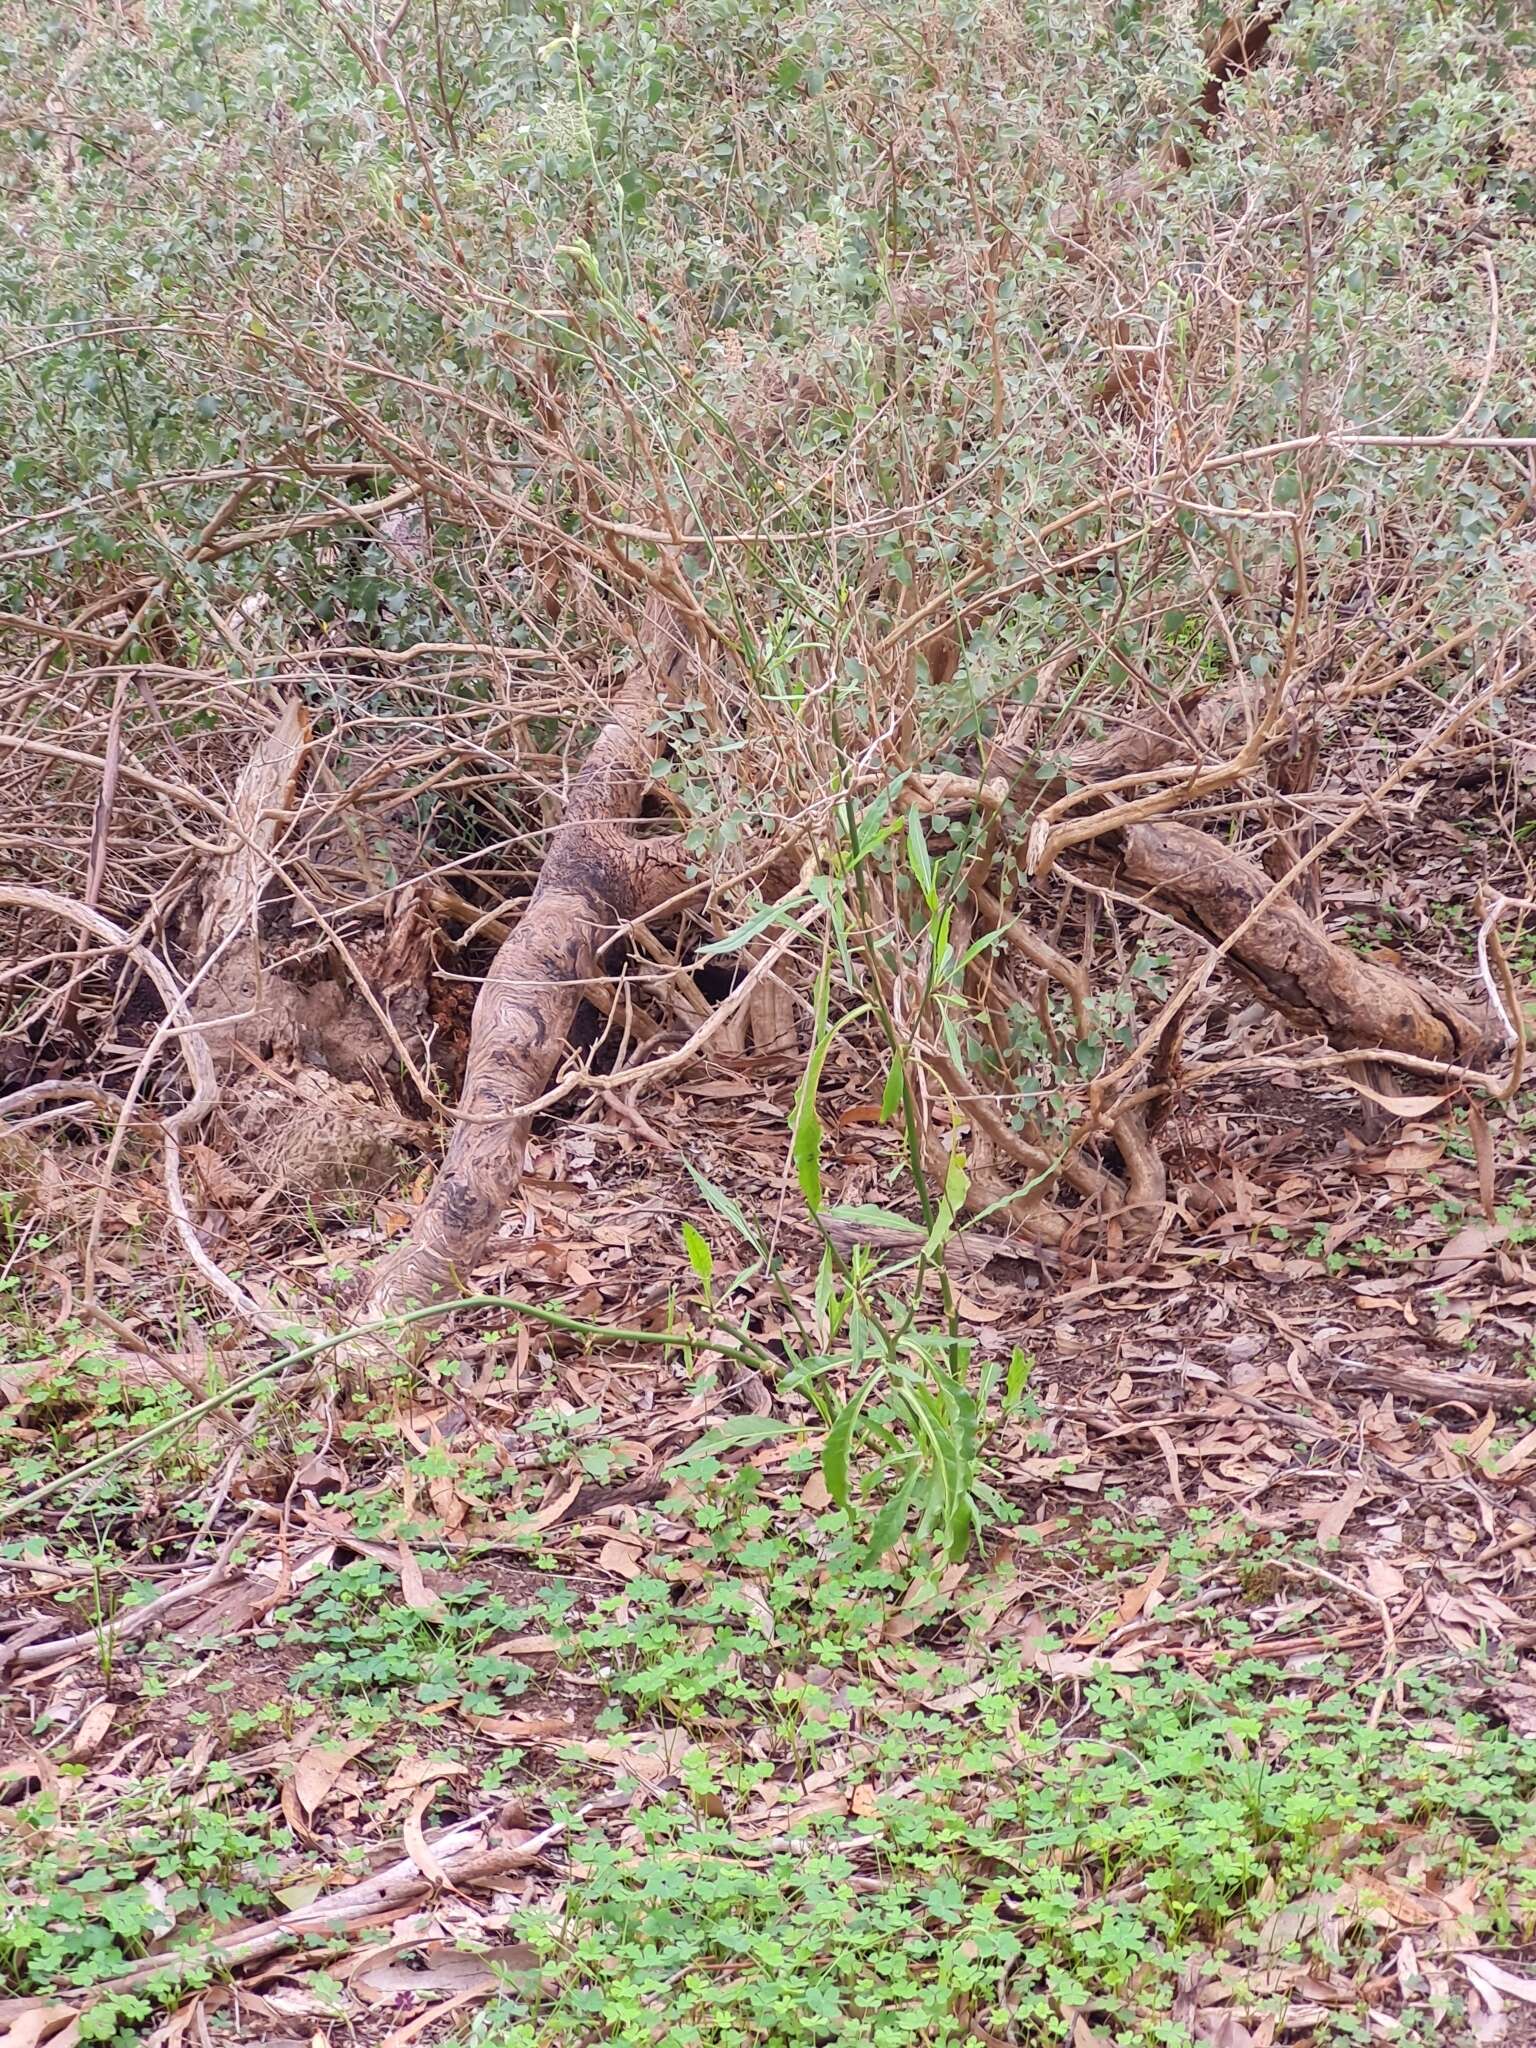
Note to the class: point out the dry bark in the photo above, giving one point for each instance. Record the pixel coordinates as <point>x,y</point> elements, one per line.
<point>306,1111</point>
<point>1290,961</point>
<point>1508,1396</point>
<point>598,875</point>
<point>460,1853</point>
<point>235,1002</point>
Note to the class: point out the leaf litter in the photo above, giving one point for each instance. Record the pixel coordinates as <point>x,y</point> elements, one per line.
<point>1222,1466</point>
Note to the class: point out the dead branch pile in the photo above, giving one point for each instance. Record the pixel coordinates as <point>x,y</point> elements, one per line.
<point>1139,725</point>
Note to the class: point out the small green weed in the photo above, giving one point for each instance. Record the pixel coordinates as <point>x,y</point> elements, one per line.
<point>83,1903</point>
<point>78,1398</point>
<point>369,1648</point>
<point>998,1883</point>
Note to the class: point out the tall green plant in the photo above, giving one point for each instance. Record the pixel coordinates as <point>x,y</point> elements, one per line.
<point>884,1359</point>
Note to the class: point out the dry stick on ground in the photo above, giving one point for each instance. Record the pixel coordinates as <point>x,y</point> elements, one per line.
<point>1507,1396</point>
<point>113,1635</point>
<point>597,875</point>
<point>459,1853</point>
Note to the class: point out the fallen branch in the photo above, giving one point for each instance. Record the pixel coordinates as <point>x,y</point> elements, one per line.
<point>1505,1396</point>
<point>1287,957</point>
<point>459,1852</point>
<point>597,876</point>
<point>114,1635</point>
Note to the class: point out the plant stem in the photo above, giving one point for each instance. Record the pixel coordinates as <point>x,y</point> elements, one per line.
<point>556,1319</point>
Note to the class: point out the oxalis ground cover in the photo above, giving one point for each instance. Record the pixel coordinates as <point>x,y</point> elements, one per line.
<point>765,925</point>
<point>1138,1776</point>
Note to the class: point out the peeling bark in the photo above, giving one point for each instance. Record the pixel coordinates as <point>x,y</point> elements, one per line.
<point>598,874</point>
<point>236,1003</point>
<point>1472,1391</point>
<point>1289,960</point>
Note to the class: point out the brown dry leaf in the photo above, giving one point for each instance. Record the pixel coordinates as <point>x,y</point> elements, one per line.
<point>221,1183</point>
<point>293,1896</point>
<point>431,2016</point>
<point>962,1697</point>
<point>173,2029</point>
<point>1332,1518</point>
<point>311,1473</point>
<point>860,1113</point>
<point>621,1556</point>
<point>416,1842</point>
<point>1469,1442</point>
<point>921,1601</point>
<point>753,1596</point>
<point>91,1733</point>
<point>1226,2030</point>
<point>316,1773</point>
<point>1487,2029</point>
<point>1472,1243</point>
<point>778,1819</point>
<point>1494,1982</point>
<point>814,1495</point>
<point>1385,1903</point>
<point>1323,1915</point>
<point>1482,1149</point>
<point>448,1504</point>
<point>649,1758</point>
<point>523,1646</point>
<point>1083,1482</point>
<point>1411,1108</point>
<point>1515,1460</point>
<point>412,1772</point>
<point>38,2021</point>
<point>1414,1156</point>
<point>1469,1615</point>
<point>1083,1664</point>
<point>1516,1701</point>
<point>231,1609</point>
<point>1385,1580</point>
<point>553,1508</point>
<point>1138,1596</point>
<point>863,1802</point>
<point>531,1728</point>
<point>414,1590</point>
<point>1406,1965</point>
<point>450,1972</point>
<point>299,2001</point>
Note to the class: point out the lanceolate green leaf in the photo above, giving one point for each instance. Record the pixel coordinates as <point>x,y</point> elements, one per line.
<point>805,1126</point>
<point>723,1205</point>
<point>700,1257</point>
<point>895,1084</point>
<point>921,860</point>
<point>835,1451</point>
<point>762,920</point>
<point>732,1435</point>
<point>892,1518</point>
